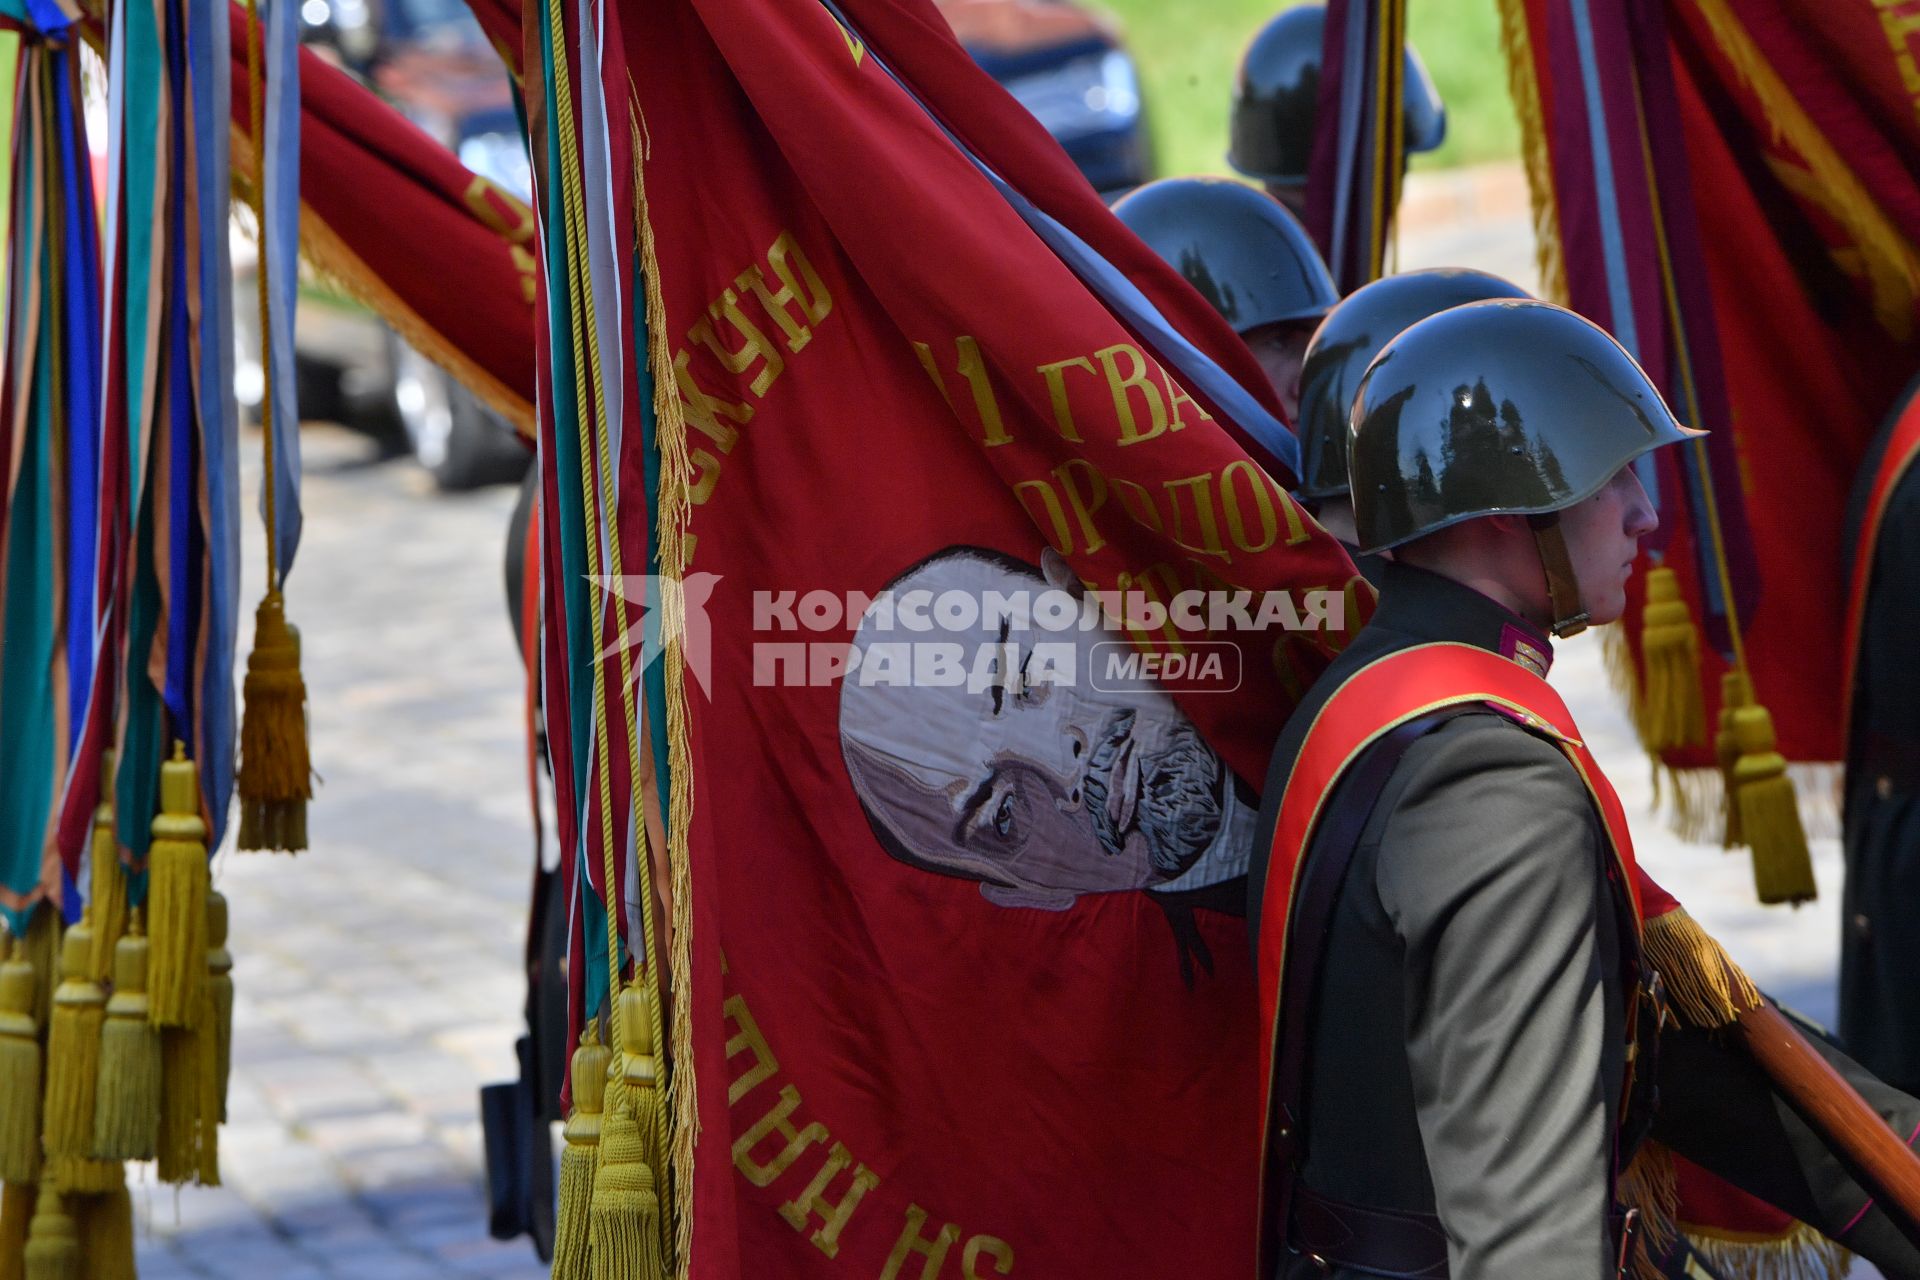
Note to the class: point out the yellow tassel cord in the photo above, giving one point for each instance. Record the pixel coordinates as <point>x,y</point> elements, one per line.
<point>126,1116</point>
<point>107,880</point>
<point>73,1050</point>
<point>220,986</point>
<point>628,1233</point>
<point>276,775</point>
<point>1769,813</point>
<point>1801,1254</point>
<point>1736,693</point>
<point>17,1200</point>
<point>105,1226</point>
<point>275,780</point>
<point>1705,988</point>
<point>19,1070</point>
<point>1674,713</point>
<point>571,1241</point>
<point>177,898</point>
<point>1651,1186</point>
<point>53,1244</point>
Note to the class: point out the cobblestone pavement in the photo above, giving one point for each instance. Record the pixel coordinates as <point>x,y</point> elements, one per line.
<point>377,976</point>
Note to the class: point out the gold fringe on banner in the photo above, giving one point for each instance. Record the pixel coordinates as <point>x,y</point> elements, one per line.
<point>1524,88</point>
<point>1705,988</point>
<point>20,1082</point>
<point>676,552</point>
<point>107,880</point>
<point>126,1115</point>
<point>1801,1254</point>
<point>177,886</point>
<point>1651,1186</point>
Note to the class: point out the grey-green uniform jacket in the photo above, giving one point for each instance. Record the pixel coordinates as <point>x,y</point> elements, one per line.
<point>1467,1043</point>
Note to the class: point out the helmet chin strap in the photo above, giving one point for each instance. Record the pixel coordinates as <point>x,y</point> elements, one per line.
<point>1563,588</point>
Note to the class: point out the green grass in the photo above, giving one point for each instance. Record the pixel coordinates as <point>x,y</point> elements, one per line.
<point>1188,50</point>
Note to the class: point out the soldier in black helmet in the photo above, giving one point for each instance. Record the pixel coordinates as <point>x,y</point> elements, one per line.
<point>1342,348</point>
<point>1250,258</point>
<point>1466,1038</point>
<point>1277,93</point>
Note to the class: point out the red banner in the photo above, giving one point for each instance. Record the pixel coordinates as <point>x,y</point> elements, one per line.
<point>393,216</point>
<point>970,981</point>
<point>1790,204</point>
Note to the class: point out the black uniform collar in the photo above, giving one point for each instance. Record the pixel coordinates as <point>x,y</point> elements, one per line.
<point>1429,607</point>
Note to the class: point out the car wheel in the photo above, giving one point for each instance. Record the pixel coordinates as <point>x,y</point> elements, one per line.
<point>461,443</point>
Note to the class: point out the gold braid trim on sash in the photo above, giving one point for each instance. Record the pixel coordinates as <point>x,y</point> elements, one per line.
<point>1525,91</point>
<point>338,266</point>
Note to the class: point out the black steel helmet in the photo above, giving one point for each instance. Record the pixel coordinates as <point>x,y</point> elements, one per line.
<point>1514,407</point>
<point>1346,343</point>
<point>1239,247</point>
<point>1277,93</point>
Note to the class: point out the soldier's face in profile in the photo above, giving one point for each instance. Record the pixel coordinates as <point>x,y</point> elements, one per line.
<point>1603,536</point>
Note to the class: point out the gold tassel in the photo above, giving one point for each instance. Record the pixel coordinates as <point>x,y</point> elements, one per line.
<point>276,778</point>
<point>625,1218</point>
<point>571,1241</point>
<point>17,1200</point>
<point>1769,813</point>
<point>126,1116</point>
<point>627,1231</point>
<point>220,984</point>
<point>1735,694</point>
<point>53,1245</point>
<point>177,898</point>
<point>105,1225</point>
<point>19,1070</point>
<point>1675,713</point>
<point>73,1050</point>
<point>107,883</point>
<point>189,1144</point>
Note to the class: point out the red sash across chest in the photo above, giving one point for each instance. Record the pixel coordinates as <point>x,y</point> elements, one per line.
<point>1901,450</point>
<point>1392,691</point>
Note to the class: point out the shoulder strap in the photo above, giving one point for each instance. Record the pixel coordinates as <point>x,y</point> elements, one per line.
<point>1314,902</point>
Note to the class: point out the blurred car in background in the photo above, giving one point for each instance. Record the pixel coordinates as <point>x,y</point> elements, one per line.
<point>1066,64</point>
